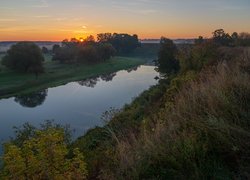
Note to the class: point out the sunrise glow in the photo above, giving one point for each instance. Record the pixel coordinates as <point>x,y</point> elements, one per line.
<point>55,20</point>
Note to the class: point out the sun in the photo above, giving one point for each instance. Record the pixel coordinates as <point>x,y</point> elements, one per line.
<point>81,39</point>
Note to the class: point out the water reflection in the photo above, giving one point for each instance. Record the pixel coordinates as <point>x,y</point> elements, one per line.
<point>133,69</point>
<point>33,99</point>
<point>89,82</point>
<point>106,77</point>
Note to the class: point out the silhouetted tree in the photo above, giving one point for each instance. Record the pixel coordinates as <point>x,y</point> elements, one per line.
<point>87,54</point>
<point>123,43</point>
<point>106,51</point>
<point>222,38</point>
<point>86,51</point>
<point>167,62</point>
<point>104,37</point>
<point>200,40</point>
<point>55,48</point>
<point>45,50</point>
<point>244,39</point>
<point>24,57</point>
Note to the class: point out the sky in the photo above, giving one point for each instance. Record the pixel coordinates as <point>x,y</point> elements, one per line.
<point>55,20</point>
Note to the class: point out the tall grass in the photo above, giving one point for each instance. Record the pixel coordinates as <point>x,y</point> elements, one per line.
<point>203,134</point>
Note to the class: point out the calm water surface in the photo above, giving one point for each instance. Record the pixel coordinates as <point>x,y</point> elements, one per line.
<point>79,104</point>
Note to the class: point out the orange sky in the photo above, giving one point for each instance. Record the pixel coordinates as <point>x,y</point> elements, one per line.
<point>55,20</point>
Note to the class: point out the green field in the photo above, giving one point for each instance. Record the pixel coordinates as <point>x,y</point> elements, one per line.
<point>13,83</point>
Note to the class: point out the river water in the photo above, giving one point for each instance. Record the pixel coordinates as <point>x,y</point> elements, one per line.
<point>78,104</point>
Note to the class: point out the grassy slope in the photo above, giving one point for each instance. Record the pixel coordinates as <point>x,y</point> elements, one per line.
<point>197,127</point>
<point>12,83</point>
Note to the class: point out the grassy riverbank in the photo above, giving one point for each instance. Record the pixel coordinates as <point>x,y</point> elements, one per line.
<point>12,83</point>
<point>194,126</point>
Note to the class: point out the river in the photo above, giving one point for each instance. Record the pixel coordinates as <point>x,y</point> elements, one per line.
<point>78,104</point>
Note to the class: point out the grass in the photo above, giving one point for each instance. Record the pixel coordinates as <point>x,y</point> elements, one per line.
<point>196,127</point>
<point>13,83</point>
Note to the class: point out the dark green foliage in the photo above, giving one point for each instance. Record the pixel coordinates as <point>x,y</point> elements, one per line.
<point>106,51</point>
<point>167,62</point>
<point>24,57</point>
<point>88,51</point>
<point>123,43</point>
<point>193,58</point>
<point>55,48</point>
<point>45,50</point>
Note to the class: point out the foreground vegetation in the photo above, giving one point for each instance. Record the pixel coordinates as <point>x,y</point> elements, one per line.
<point>197,127</point>
<point>13,83</point>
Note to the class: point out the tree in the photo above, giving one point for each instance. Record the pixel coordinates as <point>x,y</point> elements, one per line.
<point>45,50</point>
<point>104,37</point>
<point>123,43</point>
<point>55,48</point>
<point>24,57</point>
<point>43,155</point>
<point>106,51</point>
<point>222,38</point>
<point>200,40</point>
<point>167,62</point>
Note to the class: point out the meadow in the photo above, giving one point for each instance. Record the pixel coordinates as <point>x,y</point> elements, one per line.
<point>13,83</point>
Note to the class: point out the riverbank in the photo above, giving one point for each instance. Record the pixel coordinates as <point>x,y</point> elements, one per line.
<point>194,126</point>
<point>12,83</point>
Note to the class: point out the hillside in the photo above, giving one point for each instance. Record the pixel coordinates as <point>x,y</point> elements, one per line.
<point>192,126</point>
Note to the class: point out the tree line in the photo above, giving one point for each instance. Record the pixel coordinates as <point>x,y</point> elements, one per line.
<point>27,57</point>
<point>172,59</point>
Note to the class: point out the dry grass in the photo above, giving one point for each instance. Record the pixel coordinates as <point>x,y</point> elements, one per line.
<point>205,134</point>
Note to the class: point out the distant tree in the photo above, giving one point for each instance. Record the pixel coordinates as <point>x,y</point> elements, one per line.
<point>222,38</point>
<point>42,154</point>
<point>123,43</point>
<point>45,50</point>
<point>194,58</point>
<point>235,35</point>
<point>167,62</point>
<point>90,38</point>
<point>104,37</point>
<point>87,54</point>
<point>244,39</point>
<point>24,57</point>
<point>65,54</point>
<point>55,48</point>
<point>106,51</point>
<point>200,40</point>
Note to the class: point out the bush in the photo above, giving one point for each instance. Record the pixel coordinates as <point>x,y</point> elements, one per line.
<point>41,154</point>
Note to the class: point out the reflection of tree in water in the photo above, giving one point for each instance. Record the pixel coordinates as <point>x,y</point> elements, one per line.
<point>132,69</point>
<point>108,77</point>
<point>93,81</point>
<point>89,82</point>
<point>32,100</point>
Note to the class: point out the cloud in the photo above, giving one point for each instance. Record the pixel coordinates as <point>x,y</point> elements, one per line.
<point>84,27</point>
